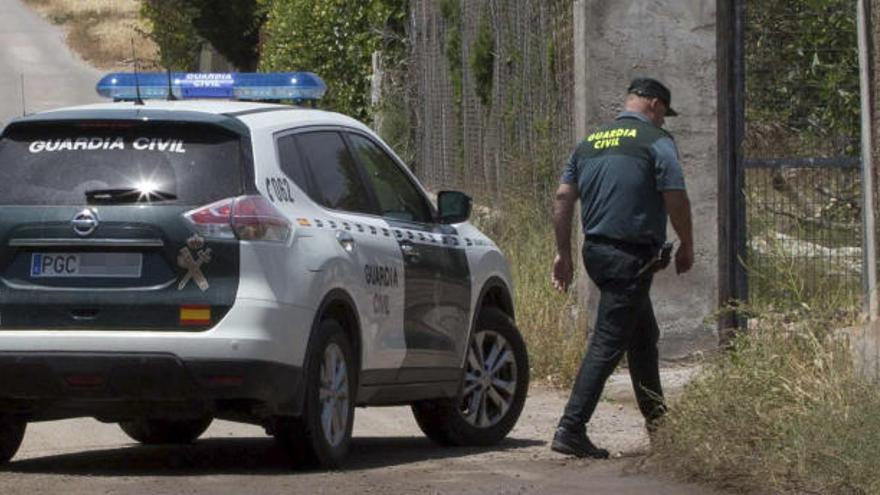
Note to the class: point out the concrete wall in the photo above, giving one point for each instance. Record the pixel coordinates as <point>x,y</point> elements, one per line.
<point>674,41</point>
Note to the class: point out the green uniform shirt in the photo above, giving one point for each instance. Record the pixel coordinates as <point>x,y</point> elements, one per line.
<point>620,171</point>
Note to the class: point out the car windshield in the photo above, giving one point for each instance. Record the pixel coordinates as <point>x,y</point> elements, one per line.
<point>58,163</point>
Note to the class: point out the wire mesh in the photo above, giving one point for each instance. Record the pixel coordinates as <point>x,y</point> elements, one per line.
<point>804,232</point>
<point>802,183</point>
<point>523,133</point>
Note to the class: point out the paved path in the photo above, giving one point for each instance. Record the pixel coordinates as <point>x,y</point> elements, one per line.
<point>53,75</point>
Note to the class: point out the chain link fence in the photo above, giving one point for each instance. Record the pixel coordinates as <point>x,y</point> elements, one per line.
<point>487,138</point>
<point>802,175</point>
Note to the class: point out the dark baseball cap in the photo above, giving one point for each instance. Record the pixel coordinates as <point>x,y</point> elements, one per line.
<point>652,88</point>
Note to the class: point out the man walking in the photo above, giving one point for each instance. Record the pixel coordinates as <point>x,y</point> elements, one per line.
<point>628,179</point>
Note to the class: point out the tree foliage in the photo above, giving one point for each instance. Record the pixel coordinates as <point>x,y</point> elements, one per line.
<point>802,68</point>
<point>171,27</point>
<point>179,27</point>
<point>335,39</point>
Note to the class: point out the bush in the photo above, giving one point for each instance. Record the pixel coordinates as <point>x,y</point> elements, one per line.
<point>333,38</point>
<point>800,53</point>
<point>180,27</point>
<point>171,27</point>
<point>782,409</point>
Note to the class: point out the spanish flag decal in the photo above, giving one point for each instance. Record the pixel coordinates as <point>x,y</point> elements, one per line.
<point>195,315</point>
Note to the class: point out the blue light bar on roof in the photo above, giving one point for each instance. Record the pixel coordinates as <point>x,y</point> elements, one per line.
<point>254,86</point>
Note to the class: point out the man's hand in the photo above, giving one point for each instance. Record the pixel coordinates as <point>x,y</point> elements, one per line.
<point>562,273</point>
<point>679,207</point>
<point>563,206</point>
<point>684,258</point>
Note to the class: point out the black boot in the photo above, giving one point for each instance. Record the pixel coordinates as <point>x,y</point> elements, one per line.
<point>576,444</point>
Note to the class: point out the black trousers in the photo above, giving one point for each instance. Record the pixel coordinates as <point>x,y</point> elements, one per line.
<point>625,323</point>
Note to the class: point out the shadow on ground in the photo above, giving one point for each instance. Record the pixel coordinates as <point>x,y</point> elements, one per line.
<point>243,456</point>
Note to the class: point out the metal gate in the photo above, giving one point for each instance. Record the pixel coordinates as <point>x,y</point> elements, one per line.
<point>791,172</point>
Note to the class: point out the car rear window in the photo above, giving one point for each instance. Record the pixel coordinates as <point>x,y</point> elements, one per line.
<point>56,163</point>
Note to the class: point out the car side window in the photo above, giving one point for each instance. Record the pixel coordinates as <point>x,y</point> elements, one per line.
<point>398,197</point>
<point>291,162</point>
<point>338,183</point>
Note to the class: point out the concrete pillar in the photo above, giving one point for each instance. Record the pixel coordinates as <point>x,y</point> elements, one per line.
<point>587,292</point>
<point>673,41</point>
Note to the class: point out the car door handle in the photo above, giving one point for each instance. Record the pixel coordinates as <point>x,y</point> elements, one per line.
<point>346,240</point>
<point>410,251</point>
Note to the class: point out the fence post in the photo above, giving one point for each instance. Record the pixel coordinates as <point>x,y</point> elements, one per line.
<point>868,194</point>
<point>731,208</point>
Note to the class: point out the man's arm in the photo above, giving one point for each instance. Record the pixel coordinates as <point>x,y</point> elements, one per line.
<point>679,208</point>
<point>563,208</point>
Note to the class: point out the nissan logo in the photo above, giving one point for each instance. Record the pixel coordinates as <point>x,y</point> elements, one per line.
<point>85,222</point>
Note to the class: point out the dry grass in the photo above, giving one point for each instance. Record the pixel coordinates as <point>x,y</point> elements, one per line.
<point>551,323</point>
<point>102,31</point>
<point>783,409</point>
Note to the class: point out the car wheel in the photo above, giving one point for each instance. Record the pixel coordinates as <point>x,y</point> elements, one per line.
<point>323,434</point>
<point>493,389</point>
<point>165,431</point>
<point>11,435</point>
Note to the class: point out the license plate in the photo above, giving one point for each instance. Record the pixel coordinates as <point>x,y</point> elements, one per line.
<point>104,265</point>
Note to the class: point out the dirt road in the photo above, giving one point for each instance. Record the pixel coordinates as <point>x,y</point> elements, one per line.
<point>390,456</point>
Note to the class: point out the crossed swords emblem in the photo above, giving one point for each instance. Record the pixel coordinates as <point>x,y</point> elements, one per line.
<point>193,265</point>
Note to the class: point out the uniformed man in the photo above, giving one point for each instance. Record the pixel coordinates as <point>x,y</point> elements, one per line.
<point>628,179</point>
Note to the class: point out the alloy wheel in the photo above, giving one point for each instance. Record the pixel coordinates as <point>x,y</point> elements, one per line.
<point>490,380</point>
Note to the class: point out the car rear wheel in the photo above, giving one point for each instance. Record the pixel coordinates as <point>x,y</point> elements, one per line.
<point>323,434</point>
<point>165,431</point>
<point>11,435</point>
<point>493,389</point>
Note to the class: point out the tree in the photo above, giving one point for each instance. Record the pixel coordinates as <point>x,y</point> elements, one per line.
<point>180,27</point>
<point>335,39</point>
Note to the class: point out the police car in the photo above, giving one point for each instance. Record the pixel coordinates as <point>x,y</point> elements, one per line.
<point>190,252</point>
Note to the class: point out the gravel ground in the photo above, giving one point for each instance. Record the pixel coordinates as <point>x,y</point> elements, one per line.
<point>389,456</point>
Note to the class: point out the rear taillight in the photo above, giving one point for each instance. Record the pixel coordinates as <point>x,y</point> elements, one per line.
<point>213,221</point>
<point>255,219</point>
<point>248,218</point>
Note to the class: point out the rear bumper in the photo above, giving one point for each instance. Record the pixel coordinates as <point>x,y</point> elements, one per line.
<point>252,330</point>
<point>63,384</point>
<point>247,366</point>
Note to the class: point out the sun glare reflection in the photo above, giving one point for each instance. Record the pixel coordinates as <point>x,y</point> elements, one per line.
<point>146,188</point>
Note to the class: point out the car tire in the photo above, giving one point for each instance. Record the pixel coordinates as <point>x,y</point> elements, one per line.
<point>11,435</point>
<point>323,434</point>
<point>493,389</point>
<point>165,431</point>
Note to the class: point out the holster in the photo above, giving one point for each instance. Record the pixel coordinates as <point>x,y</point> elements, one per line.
<point>658,262</point>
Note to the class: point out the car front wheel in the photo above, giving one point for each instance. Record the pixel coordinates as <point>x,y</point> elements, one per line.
<point>493,389</point>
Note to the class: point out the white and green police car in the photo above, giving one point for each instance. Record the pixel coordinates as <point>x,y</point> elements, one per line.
<point>167,261</point>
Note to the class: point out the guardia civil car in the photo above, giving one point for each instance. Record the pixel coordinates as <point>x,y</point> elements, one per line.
<point>190,252</point>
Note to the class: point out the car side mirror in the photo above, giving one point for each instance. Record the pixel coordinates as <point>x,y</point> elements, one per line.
<point>454,206</point>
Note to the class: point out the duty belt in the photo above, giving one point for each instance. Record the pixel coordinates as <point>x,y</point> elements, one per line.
<point>643,251</point>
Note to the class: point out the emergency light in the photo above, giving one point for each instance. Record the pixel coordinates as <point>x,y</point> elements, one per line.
<point>197,85</point>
